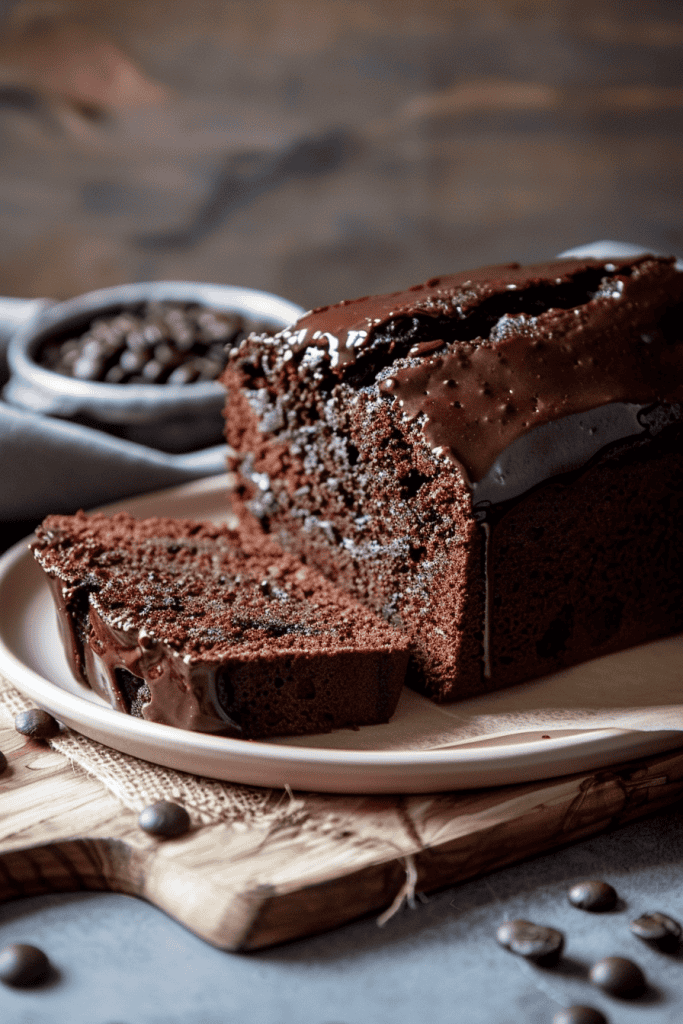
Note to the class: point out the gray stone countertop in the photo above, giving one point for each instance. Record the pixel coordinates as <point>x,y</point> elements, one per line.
<point>121,961</point>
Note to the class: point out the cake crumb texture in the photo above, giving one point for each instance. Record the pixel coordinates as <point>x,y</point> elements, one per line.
<point>194,625</point>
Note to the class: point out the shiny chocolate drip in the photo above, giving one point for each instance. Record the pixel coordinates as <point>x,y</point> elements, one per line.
<point>477,398</point>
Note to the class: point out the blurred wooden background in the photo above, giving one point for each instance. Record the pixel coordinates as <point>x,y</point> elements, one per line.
<point>328,148</point>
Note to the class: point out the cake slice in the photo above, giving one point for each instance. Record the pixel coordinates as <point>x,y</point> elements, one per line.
<point>197,626</point>
<point>491,460</point>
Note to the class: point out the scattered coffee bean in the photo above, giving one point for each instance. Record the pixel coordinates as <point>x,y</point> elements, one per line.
<point>151,344</point>
<point>164,819</point>
<point>657,928</point>
<point>3,762</point>
<point>579,1015</point>
<point>594,895</point>
<point>21,964</point>
<point>532,941</point>
<point>37,724</point>
<point>618,976</point>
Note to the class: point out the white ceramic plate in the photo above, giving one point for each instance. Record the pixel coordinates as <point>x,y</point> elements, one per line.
<point>31,658</point>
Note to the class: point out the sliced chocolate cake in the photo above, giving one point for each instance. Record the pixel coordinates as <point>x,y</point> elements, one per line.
<point>491,460</point>
<point>196,626</point>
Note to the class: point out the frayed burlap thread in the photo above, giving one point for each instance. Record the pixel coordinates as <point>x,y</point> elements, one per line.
<point>137,783</point>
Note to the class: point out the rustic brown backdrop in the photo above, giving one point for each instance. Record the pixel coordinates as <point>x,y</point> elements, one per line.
<point>326,148</point>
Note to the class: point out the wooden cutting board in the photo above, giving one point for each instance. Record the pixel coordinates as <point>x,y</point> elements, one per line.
<point>335,859</point>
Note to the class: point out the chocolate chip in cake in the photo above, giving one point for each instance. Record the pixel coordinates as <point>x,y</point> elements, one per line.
<point>164,819</point>
<point>22,964</point>
<point>657,928</point>
<point>618,976</point>
<point>532,941</point>
<point>3,762</point>
<point>37,724</point>
<point>594,895</point>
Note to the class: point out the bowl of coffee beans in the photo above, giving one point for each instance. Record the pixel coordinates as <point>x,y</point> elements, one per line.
<point>140,361</point>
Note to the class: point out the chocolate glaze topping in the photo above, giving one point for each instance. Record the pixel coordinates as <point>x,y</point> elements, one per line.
<point>507,348</point>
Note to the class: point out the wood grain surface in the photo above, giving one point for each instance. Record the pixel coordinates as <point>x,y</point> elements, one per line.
<point>332,860</point>
<point>324,149</point>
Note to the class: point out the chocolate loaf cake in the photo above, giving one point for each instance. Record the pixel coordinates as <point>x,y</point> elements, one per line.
<point>196,626</point>
<point>492,461</point>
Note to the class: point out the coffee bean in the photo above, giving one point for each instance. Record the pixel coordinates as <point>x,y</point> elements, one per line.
<point>87,369</point>
<point>184,374</point>
<point>153,333</point>
<point>37,724</point>
<point>532,941</point>
<point>132,361</point>
<point>180,332</point>
<point>219,326</point>
<point>3,762</point>
<point>579,1015</point>
<point>595,896</point>
<point>136,341</point>
<point>657,928</point>
<point>164,819</point>
<point>69,357</point>
<point>115,375</point>
<point>93,349</point>
<point>166,355</point>
<point>121,324</point>
<point>183,341</point>
<point>104,330</point>
<point>153,371</point>
<point>618,976</point>
<point>21,964</point>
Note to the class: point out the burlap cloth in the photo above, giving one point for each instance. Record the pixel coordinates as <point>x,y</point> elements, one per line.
<point>640,689</point>
<point>136,783</point>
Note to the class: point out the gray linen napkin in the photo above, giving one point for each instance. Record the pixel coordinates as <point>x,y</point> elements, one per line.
<point>50,465</point>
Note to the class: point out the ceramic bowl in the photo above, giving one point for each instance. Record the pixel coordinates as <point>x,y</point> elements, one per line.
<point>174,418</point>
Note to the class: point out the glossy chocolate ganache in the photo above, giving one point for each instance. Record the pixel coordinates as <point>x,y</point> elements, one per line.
<point>492,460</point>
<point>503,350</point>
